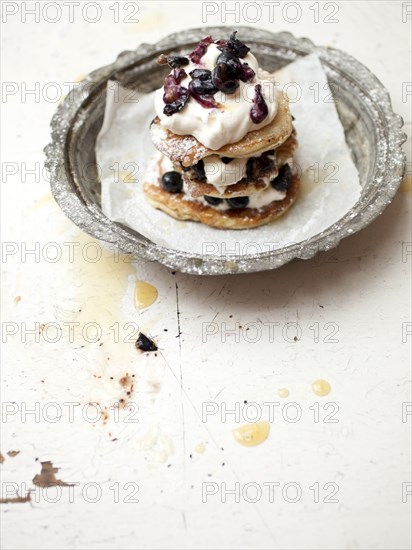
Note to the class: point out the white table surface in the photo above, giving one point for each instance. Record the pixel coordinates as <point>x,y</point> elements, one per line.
<point>360,291</point>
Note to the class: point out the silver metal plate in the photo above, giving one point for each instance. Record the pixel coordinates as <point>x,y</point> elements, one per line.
<point>373,133</point>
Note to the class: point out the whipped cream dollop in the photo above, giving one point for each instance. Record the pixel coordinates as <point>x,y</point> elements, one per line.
<point>230,121</point>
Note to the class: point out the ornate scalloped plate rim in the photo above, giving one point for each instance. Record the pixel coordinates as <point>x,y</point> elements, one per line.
<point>90,218</point>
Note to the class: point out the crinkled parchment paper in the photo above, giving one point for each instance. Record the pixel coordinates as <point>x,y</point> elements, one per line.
<point>329,180</point>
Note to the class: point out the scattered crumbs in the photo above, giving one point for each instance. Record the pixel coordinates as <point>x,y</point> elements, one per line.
<point>17,299</point>
<point>283,392</point>
<point>321,387</point>
<point>47,476</point>
<point>13,453</point>
<point>17,499</point>
<point>252,434</point>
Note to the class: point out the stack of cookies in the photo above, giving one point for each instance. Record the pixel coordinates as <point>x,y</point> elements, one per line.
<point>225,140</point>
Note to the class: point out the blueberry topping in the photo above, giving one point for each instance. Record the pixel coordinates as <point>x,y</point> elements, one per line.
<point>232,61</point>
<point>177,61</point>
<point>172,182</point>
<point>201,74</point>
<point>199,170</point>
<point>200,49</point>
<point>226,160</point>
<point>283,180</point>
<point>259,110</point>
<point>246,73</point>
<point>145,344</point>
<point>214,201</point>
<point>202,87</point>
<point>236,46</point>
<point>175,96</point>
<point>238,202</point>
<point>224,78</point>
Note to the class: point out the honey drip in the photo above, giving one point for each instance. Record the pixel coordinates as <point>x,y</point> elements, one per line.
<point>145,295</point>
<point>250,435</point>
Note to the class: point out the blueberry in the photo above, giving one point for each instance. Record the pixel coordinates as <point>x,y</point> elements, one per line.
<point>177,61</point>
<point>232,61</point>
<point>247,73</point>
<point>201,74</point>
<point>224,79</point>
<point>199,170</point>
<point>238,202</point>
<point>236,46</point>
<point>200,49</point>
<point>202,87</point>
<point>259,110</point>
<point>144,343</point>
<point>266,161</point>
<point>226,160</point>
<point>283,180</point>
<point>172,182</point>
<point>175,98</point>
<point>252,168</point>
<point>214,201</point>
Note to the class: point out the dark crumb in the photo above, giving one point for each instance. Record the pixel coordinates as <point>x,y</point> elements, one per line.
<point>223,463</point>
<point>190,456</point>
<point>165,329</point>
<point>169,465</point>
<point>173,272</point>
<point>101,343</point>
<point>145,344</point>
<point>115,439</point>
<point>321,306</point>
<point>295,338</point>
<point>244,403</point>
<point>209,475</point>
<point>230,316</point>
<point>111,378</point>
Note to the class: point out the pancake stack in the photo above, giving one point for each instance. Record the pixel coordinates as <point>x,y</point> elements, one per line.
<point>229,185</point>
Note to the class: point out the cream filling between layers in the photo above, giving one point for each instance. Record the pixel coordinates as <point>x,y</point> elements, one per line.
<point>229,122</point>
<point>257,200</point>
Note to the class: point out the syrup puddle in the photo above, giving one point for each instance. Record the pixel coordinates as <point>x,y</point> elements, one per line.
<point>250,435</point>
<point>145,294</point>
<point>321,387</point>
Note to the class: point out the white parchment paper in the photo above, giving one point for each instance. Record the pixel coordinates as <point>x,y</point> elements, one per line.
<point>329,179</point>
